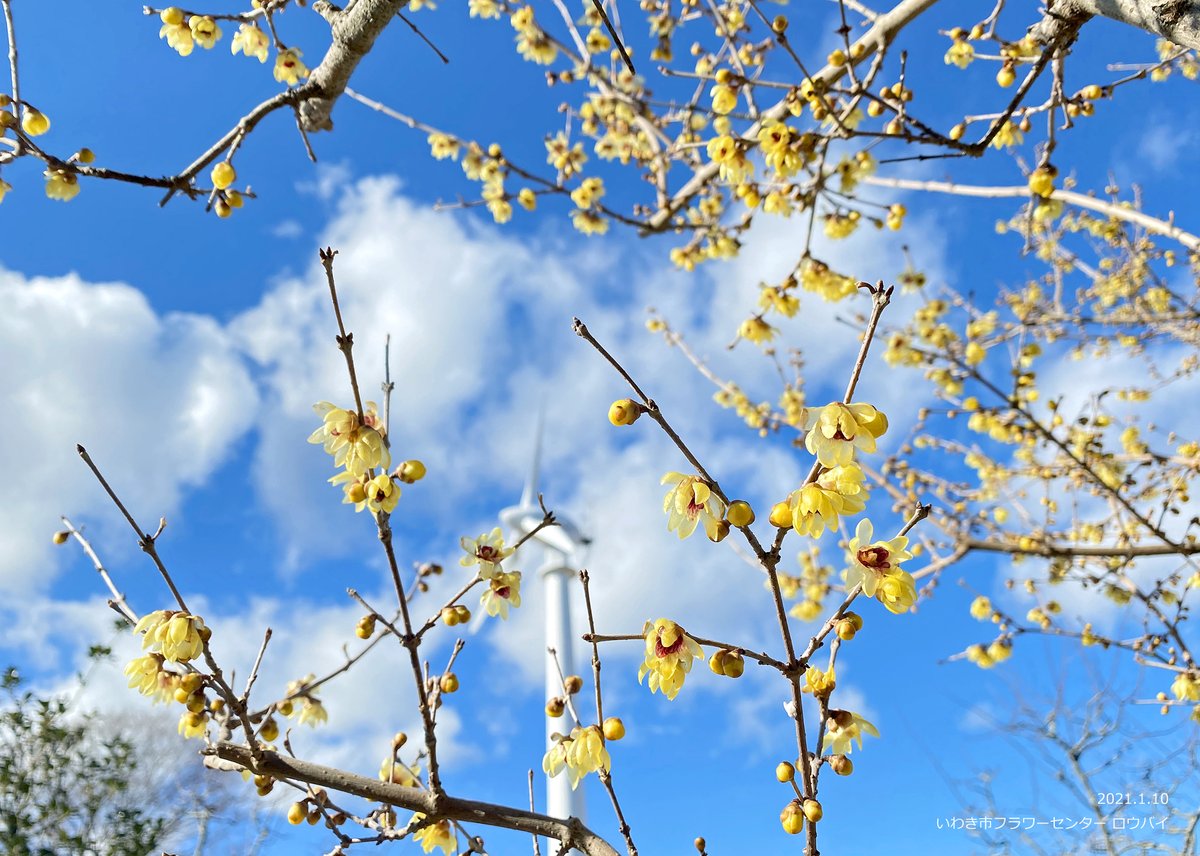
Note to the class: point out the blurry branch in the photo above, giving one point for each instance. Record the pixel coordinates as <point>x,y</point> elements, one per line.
<point>1079,200</point>
<point>1176,20</point>
<point>117,601</point>
<point>572,833</point>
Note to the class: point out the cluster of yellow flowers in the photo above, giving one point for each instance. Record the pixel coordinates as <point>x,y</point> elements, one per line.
<point>184,32</point>
<point>359,446</point>
<point>173,637</point>
<point>503,588</point>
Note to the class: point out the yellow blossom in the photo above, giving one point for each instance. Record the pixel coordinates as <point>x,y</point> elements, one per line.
<point>61,184</point>
<point>689,502</point>
<point>251,41</point>
<point>981,608</point>
<point>589,223</point>
<point>436,834</point>
<point>836,430</point>
<point>484,8</point>
<point>669,656</point>
<point>588,193</point>
<point>756,330</point>
<point>487,551</point>
<point>504,590</point>
<point>147,676</point>
<point>961,53</point>
<point>842,729</point>
<point>176,32</point>
<point>288,67</point>
<point>204,30</point>
<point>1186,687</point>
<point>1007,136</point>
<point>443,146</point>
<point>357,447</point>
<point>724,98</point>
<point>819,683</point>
<point>875,565</point>
<point>400,773</point>
<point>178,636</point>
<point>193,724</point>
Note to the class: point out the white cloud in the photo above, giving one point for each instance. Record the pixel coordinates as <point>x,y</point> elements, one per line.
<point>158,400</point>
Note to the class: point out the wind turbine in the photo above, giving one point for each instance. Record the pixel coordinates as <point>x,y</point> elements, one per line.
<point>563,548</point>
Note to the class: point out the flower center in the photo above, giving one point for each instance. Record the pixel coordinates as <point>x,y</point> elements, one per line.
<point>875,558</point>
<point>503,592</point>
<point>667,650</point>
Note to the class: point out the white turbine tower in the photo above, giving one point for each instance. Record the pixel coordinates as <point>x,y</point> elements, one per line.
<point>562,548</point>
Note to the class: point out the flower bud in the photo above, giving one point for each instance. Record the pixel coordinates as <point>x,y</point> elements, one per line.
<point>449,682</point>
<point>296,814</point>
<point>450,616</point>
<point>785,772</point>
<point>573,684</point>
<point>614,728</point>
<point>223,174</point>
<point>740,513</point>
<point>555,708</point>
<point>841,765</point>
<point>812,810</point>
<point>624,411</point>
<point>269,730</point>
<point>734,665</point>
<point>792,817</point>
<point>61,537</point>
<point>399,740</point>
<point>365,628</point>
<point>700,844</point>
<point>717,661</point>
<point>410,471</point>
<point>845,629</point>
<point>781,515</point>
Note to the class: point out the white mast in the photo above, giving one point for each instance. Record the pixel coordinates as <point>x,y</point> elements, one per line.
<point>562,553</point>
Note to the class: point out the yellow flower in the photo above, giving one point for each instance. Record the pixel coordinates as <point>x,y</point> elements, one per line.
<point>872,562</point>
<point>442,146</point>
<point>837,429</point>
<point>177,33</point>
<point>177,635</point>
<point>724,98</point>
<point>34,122</point>
<point>981,608</point>
<point>842,729</point>
<point>356,447</point>
<point>819,683</point>
<point>756,330</point>
<point>484,8</point>
<point>589,223</point>
<point>288,67</point>
<point>204,30</point>
<point>437,834</point>
<point>669,656</point>
<point>382,494</point>
<point>978,655</point>
<point>193,724</point>
<point>400,773</point>
<point>581,752</point>
<point>61,184</point>
<point>251,41</point>
<point>960,54</point>
<point>147,676</point>
<point>487,551</point>
<point>535,46</point>
<point>504,590</point>
<point>1008,136</point>
<point>897,592</point>
<point>689,502</point>
<point>1186,687</point>
<point>313,712</point>
<point>588,193</point>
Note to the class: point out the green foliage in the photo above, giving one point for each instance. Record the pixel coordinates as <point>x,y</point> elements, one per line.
<point>65,784</point>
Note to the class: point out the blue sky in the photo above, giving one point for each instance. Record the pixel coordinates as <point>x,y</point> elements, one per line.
<point>185,352</point>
